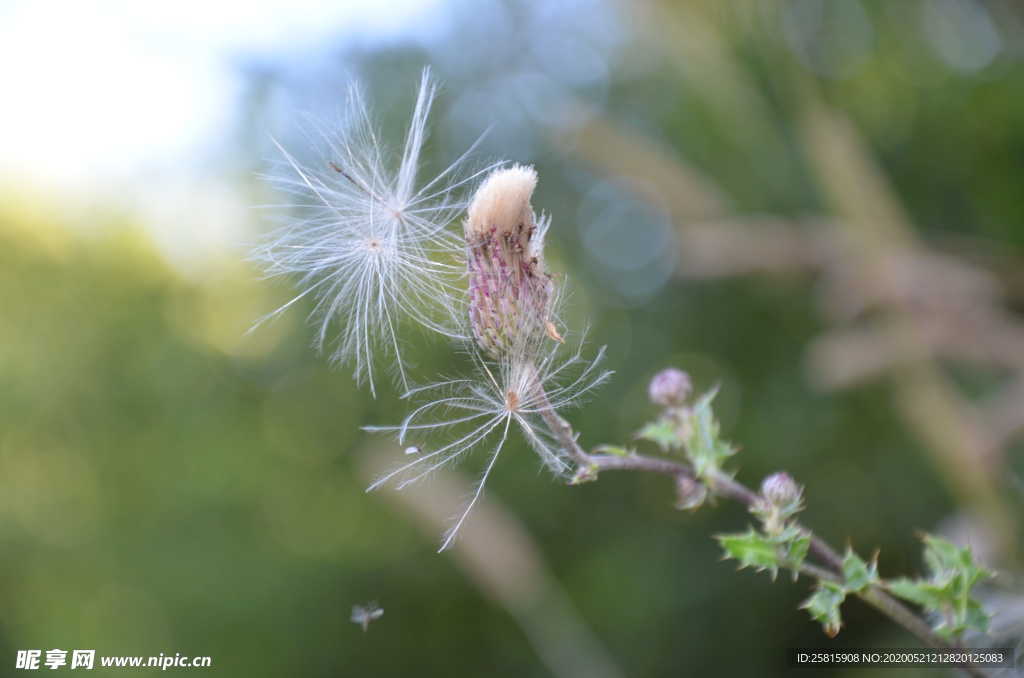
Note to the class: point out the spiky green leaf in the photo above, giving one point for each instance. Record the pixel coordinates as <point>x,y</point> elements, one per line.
<point>823,606</point>
<point>794,547</point>
<point>664,433</point>
<point>857,574</point>
<point>751,549</point>
<point>917,591</point>
<point>952,575</point>
<point>704,447</point>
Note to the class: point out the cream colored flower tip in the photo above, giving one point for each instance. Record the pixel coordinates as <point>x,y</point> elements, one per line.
<point>502,203</point>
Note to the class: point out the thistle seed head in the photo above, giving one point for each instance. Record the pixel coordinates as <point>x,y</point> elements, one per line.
<point>510,293</point>
<point>502,203</point>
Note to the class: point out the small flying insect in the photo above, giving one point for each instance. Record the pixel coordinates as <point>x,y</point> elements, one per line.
<point>364,614</point>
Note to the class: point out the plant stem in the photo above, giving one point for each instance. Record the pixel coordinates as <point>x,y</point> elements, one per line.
<point>726,486</point>
<point>720,484</point>
<point>562,430</point>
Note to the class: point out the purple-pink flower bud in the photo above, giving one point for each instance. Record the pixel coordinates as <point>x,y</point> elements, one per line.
<point>780,490</point>
<point>669,388</point>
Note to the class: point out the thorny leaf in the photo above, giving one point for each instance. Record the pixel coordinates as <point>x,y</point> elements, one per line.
<point>823,606</point>
<point>703,446</point>
<point>664,433</point>
<point>751,549</point>
<point>857,574</point>
<point>767,552</point>
<point>795,546</point>
<point>947,590</point>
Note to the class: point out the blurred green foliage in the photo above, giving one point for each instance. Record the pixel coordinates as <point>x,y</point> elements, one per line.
<point>171,484</point>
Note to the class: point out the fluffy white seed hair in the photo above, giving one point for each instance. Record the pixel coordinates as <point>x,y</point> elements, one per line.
<point>371,244</point>
<point>479,412</point>
<point>502,202</point>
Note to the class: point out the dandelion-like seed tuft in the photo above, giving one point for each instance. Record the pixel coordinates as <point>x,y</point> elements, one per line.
<point>364,615</point>
<point>371,246</point>
<point>479,411</point>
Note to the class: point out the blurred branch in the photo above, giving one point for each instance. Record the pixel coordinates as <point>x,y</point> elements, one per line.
<point>711,244</point>
<point>500,557</point>
<point>754,245</point>
<point>987,255</point>
<point>648,169</point>
<point>702,50</point>
<point>1004,413</point>
<point>923,305</point>
<point>878,230</point>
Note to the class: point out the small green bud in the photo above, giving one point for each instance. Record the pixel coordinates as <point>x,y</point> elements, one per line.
<point>585,473</point>
<point>690,494</point>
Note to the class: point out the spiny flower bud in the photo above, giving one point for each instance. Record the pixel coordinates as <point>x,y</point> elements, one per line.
<point>670,387</point>
<point>780,490</point>
<point>509,291</point>
<point>780,499</point>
